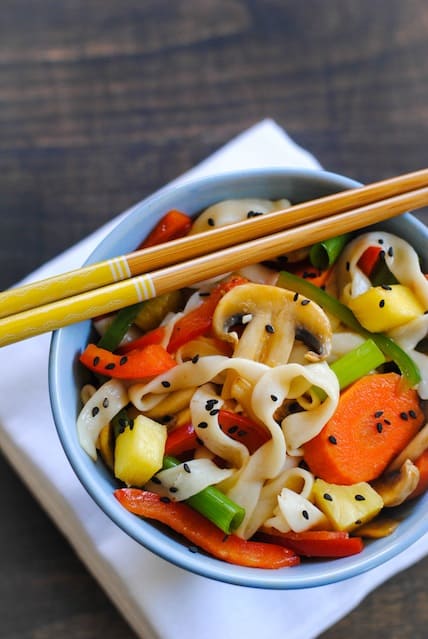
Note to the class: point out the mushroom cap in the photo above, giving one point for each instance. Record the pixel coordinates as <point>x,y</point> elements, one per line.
<point>272,319</point>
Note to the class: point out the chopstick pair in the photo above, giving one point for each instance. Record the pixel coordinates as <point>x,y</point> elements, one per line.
<point>106,286</point>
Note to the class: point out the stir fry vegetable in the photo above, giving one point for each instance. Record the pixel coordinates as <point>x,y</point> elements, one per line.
<point>270,414</point>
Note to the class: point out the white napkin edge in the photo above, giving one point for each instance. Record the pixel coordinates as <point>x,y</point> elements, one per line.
<point>65,517</point>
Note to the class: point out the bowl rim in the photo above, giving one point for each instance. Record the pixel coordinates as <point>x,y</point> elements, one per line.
<point>144,532</point>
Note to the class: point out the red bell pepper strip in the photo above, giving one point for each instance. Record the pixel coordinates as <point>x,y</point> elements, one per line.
<point>204,534</point>
<point>242,429</point>
<point>369,259</point>
<point>151,337</point>
<point>316,543</point>
<point>173,225</point>
<point>198,321</point>
<point>147,362</point>
<point>238,427</point>
<point>180,440</point>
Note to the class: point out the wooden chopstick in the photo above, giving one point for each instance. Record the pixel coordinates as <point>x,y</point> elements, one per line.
<point>121,268</point>
<point>148,285</point>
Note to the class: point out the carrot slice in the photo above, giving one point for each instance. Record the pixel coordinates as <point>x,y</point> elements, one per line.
<point>374,420</point>
<point>204,534</point>
<point>306,270</point>
<point>421,464</point>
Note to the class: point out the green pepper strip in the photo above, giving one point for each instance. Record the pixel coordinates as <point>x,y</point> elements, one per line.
<point>213,504</point>
<point>120,324</point>
<point>407,366</point>
<point>324,254</point>
<point>381,274</point>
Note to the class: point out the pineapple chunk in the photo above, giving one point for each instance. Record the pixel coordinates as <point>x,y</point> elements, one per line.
<point>139,451</point>
<point>347,506</point>
<point>384,308</point>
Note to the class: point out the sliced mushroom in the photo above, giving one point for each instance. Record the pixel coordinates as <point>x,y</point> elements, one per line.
<point>413,450</point>
<point>394,487</point>
<point>271,319</point>
<point>236,210</point>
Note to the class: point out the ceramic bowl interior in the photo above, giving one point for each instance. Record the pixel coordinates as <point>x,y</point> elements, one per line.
<point>66,378</point>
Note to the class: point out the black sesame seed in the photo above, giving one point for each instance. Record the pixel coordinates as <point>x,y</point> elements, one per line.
<point>251,214</point>
<point>380,241</point>
<point>195,359</point>
<point>173,489</point>
<point>379,427</point>
<point>295,297</point>
<point>187,468</point>
<point>211,221</point>
<point>386,287</point>
<point>387,422</point>
<point>165,500</point>
<point>381,303</point>
<point>110,366</point>
<point>233,429</point>
<point>347,266</point>
<point>359,497</point>
<point>332,439</point>
<point>95,411</point>
<point>412,414</point>
<point>328,497</point>
<point>156,480</point>
<point>214,411</point>
<point>204,294</point>
<point>193,549</point>
<point>306,302</point>
<point>382,254</point>
<point>105,402</point>
<point>390,251</point>
<point>378,414</point>
<point>274,398</point>
<point>165,383</point>
<point>203,425</point>
<point>404,416</point>
<point>96,361</point>
<point>269,328</point>
<point>357,522</point>
<point>305,514</point>
<point>123,360</point>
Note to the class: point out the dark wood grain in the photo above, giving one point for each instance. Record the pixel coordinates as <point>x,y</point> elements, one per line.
<point>102,102</point>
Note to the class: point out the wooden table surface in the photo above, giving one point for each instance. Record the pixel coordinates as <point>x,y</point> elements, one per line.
<point>102,102</point>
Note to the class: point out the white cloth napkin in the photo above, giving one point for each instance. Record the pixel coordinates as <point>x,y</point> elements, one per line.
<point>157,599</point>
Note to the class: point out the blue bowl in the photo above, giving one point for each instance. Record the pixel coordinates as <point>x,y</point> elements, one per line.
<point>66,378</point>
